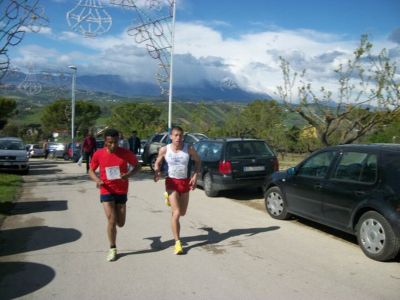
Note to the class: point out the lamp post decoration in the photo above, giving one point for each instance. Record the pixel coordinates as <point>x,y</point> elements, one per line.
<point>155,28</point>
<point>17,17</point>
<point>30,85</point>
<point>89,18</point>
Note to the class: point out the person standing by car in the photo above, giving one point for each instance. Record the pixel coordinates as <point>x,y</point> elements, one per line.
<point>46,149</point>
<point>113,183</point>
<point>123,143</point>
<point>88,148</point>
<point>134,143</point>
<point>179,180</point>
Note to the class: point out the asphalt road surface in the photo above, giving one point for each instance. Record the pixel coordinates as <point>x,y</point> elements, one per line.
<point>54,245</point>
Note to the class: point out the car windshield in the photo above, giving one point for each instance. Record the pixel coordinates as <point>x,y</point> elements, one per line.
<point>11,145</point>
<point>242,149</point>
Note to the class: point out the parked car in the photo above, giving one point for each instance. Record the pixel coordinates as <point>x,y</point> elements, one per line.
<point>150,150</point>
<point>13,155</point>
<point>74,154</point>
<point>140,154</point>
<point>34,150</point>
<point>234,163</point>
<point>353,188</point>
<point>99,143</point>
<point>56,150</point>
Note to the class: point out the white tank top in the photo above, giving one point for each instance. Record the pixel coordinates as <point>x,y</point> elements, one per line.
<point>178,162</point>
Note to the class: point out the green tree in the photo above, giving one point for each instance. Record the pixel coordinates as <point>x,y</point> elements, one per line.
<point>201,120</point>
<point>57,115</point>
<point>387,133</point>
<point>367,80</point>
<point>7,110</point>
<point>259,119</point>
<point>142,117</point>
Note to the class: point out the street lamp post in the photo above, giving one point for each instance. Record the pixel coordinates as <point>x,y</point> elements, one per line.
<point>74,69</point>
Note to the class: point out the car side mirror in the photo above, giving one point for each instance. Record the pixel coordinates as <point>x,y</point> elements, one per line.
<point>291,171</point>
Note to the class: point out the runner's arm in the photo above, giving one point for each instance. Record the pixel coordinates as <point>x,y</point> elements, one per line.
<point>136,167</point>
<point>197,165</point>
<point>157,164</point>
<point>94,177</point>
<point>94,164</point>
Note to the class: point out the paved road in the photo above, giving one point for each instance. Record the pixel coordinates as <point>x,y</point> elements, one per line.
<point>53,246</point>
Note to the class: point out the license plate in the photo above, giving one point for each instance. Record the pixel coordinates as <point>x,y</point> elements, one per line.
<point>253,168</point>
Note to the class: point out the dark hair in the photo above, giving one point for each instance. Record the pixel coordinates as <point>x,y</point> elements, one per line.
<point>111,132</point>
<point>178,128</point>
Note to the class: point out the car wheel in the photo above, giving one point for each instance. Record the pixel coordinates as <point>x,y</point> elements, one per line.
<point>153,159</point>
<point>66,156</point>
<point>209,188</point>
<point>376,237</point>
<point>275,204</point>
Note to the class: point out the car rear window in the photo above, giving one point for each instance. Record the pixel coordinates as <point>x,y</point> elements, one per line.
<point>243,149</point>
<point>209,151</point>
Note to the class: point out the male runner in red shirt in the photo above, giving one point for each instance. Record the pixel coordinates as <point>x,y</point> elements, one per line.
<point>113,183</point>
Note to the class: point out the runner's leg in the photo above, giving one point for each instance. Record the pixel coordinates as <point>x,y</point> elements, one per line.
<point>110,211</point>
<point>183,203</point>
<point>179,205</point>
<point>120,210</point>
<point>174,199</point>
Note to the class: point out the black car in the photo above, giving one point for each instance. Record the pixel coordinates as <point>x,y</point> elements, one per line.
<point>234,163</point>
<point>158,140</point>
<point>353,188</point>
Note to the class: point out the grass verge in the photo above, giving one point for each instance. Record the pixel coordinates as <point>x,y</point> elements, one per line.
<point>10,186</point>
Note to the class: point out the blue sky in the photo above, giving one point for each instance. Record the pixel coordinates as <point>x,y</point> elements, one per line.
<point>221,39</point>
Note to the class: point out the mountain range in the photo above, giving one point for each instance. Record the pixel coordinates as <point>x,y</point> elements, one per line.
<point>225,90</point>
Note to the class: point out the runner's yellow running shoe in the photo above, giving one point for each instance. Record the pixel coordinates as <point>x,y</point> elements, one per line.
<point>112,254</point>
<point>178,247</point>
<point>166,198</point>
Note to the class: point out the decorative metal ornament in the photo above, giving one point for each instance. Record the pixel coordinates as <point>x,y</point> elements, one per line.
<point>16,16</point>
<point>30,85</point>
<point>89,18</point>
<point>153,28</point>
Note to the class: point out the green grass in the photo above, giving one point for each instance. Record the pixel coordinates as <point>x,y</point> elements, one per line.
<point>10,186</point>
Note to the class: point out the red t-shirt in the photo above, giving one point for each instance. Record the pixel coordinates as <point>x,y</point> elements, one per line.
<point>89,143</point>
<point>111,166</point>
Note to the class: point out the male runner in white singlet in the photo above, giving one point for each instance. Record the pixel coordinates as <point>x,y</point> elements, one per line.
<point>179,181</point>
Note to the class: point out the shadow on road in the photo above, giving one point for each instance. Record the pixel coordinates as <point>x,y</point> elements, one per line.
<point>28,207</point>
<point>243,194</point>
<point>20,240</point>
<point>21,278</point>
<point>64,180</point>
<point>211,238</point>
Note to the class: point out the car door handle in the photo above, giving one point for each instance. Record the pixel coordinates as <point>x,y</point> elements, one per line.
<point>359,193</point>
<point>318,186</point>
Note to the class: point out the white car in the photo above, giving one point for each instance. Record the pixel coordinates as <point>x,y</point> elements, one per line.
<point>34,150</point>
<point>13,155</point>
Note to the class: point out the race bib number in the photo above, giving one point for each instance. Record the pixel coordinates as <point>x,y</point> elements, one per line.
<point>113,173</point>
<point>177,171</point>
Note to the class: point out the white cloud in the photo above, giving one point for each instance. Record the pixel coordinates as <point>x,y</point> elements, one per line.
<point>203,54</point>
